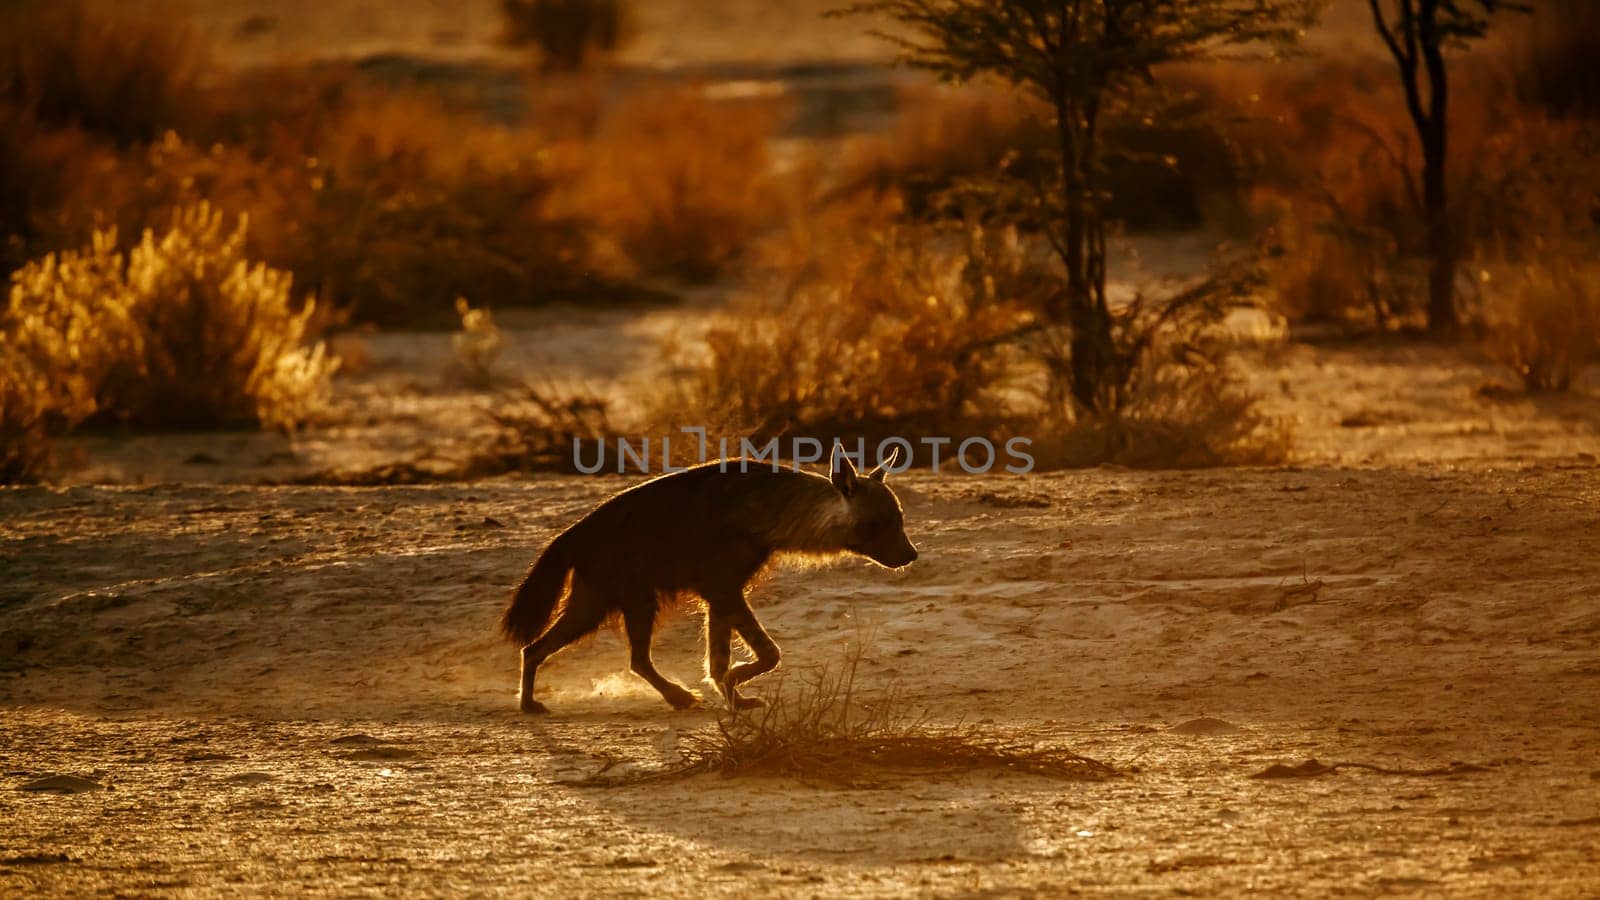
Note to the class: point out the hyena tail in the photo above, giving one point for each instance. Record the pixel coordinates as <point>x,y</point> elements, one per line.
<point>535,600</point>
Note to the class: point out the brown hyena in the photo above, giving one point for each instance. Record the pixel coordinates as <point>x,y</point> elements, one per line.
<point>706,531</point>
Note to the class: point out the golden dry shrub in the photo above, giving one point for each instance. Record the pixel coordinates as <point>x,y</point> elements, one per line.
<point>412,205</point>
<point>567,34</point>
<point>681,182</point>
<point>1534,209</point>
<point>1184,408</point>
<point>871,330</point>
<point>1337,184</point>
<point>25,434</point>
<point>1339,272</point>
<point>1181,399</point>
<point>125,72</point>
<point>942,136</point>
<point>1543,317</point>
<point>874,329</point>
<point>1345,242</point>
<point>181,331</point>
<point>45,388</point>
<point>137,190</point>
<point>385,206</point>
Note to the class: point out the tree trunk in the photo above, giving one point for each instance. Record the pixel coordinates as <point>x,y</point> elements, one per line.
<point>1094,361</point>
<point>1418,38</point>
<point>1442,318</point>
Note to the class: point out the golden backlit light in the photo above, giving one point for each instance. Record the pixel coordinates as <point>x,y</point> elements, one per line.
<point>588,448</point>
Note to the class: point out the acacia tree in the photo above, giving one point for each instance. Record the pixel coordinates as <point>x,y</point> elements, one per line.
<point>1084,59</point>
<point>1417,33</point>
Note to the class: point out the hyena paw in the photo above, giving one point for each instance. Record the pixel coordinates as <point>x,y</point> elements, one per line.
<point>533,707</point>
<point>737,700</point>
<point>682,698</point>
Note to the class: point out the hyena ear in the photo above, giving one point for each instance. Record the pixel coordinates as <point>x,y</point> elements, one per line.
<point>881,470</point>
<point>844,471</point>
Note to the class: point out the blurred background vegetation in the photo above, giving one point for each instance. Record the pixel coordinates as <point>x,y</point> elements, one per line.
<point>184,224</point>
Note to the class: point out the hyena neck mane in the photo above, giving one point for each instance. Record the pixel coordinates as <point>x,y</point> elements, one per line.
<point>805,517</point>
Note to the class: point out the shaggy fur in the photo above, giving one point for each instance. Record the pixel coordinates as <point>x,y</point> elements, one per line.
<point>705,531</point>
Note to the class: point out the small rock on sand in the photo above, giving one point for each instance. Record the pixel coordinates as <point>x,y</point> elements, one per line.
<point>62,784</point>
<point>740,866</point>
<point>380,754</point>
<point>1205,725</point>
<point>36,859</point>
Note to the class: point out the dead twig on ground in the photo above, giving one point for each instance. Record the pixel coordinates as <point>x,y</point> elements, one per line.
<point>1312,768</point>
<point>827,730</point>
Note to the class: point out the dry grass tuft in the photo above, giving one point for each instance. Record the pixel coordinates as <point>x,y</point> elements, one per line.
<point>827,730</point>
<point>477,347</point>
<point>539,425</point>
<point>1544,318</point>
<point>1181,401</point>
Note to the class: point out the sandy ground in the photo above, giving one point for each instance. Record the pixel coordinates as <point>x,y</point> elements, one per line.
<point>298,690</point>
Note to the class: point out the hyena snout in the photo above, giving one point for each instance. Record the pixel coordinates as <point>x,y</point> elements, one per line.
<point>895,554</point>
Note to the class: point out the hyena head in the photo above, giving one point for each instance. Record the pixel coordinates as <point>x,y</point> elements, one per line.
<point>877,527</point>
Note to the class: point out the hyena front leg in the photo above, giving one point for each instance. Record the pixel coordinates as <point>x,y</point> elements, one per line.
<point>719,651</point>
<point>756,638</point>
<point>736,614</point>
<point>639,619</point>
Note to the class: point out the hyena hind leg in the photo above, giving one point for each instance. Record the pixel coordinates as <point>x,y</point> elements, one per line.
<point>583,614</point>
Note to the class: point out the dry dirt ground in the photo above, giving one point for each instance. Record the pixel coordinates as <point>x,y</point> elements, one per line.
<point>298,690</point>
